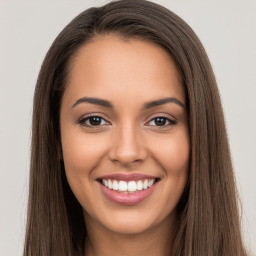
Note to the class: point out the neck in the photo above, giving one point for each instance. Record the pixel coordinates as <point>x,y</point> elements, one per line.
<point>156,241</point>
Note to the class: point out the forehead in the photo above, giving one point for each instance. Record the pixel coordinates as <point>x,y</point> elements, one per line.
<point>109,66</point>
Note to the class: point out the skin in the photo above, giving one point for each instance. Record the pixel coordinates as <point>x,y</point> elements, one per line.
<point>128,74</point>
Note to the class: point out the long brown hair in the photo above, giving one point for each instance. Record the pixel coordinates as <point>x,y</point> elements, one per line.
<point>208,216</point>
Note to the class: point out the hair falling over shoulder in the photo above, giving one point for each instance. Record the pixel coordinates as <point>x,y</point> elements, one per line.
<point>208,214</point>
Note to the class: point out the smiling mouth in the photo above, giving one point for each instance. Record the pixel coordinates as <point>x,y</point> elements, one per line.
<point>132,186</point>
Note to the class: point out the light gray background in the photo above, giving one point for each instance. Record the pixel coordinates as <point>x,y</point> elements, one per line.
<point>27,28</point>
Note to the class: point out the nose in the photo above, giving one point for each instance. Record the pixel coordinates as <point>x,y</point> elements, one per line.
<point>127,147</point>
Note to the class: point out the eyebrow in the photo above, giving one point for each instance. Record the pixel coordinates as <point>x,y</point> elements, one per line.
<point>95,101</point>
<point>107,104</point>
<point>159,102</point>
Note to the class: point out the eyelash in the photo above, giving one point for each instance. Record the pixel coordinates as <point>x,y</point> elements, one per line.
<point>83,121</point>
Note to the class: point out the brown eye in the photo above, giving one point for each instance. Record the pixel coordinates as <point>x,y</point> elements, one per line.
<point>162,121</point>
<point>93,121</point>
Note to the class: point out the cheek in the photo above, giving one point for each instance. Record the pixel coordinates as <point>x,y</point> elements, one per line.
<point>81,155</point>
<point>174,153</point>
<point>174,158</point>
<point>82,152</point>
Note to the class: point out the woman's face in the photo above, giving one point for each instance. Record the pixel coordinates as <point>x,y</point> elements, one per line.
<point>125,136</point>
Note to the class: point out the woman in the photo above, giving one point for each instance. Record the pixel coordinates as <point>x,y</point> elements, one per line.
<point>129,149</point>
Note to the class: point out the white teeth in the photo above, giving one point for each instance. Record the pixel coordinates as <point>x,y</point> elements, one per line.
<point>131,186</point>
<point>110,185</point>
<point>139,185</point>
<point>150,183</point>
<point>105,182</point>
<point>145,184</point>
<point>122,186</point>
<point>115,185</point>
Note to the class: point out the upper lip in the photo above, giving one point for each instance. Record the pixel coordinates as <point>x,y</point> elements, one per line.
<point>127,177</point>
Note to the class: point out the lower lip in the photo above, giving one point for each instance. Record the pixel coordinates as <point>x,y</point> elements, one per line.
<point>127,198</point>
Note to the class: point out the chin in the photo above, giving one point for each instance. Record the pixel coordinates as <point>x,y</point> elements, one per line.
<point>132,221</point>
<point>129,227</point>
